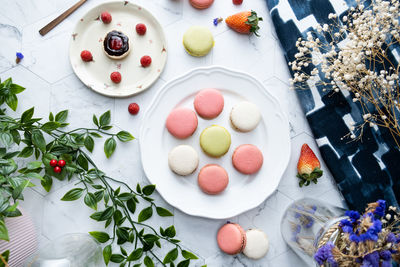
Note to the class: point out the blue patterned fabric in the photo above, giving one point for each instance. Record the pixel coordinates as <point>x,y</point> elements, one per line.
<point>364,170</point>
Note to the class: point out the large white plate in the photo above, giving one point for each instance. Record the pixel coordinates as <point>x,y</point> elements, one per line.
<point>244,191</point>
<point>88,35</point>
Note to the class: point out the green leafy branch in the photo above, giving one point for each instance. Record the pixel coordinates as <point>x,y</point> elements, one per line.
<point>113,207</point>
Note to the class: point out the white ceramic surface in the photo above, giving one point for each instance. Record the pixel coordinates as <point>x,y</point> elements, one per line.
<point>244,191</point>
<point>89,34</point>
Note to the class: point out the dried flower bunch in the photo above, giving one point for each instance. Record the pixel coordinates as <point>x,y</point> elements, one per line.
<point>368,240</point>
<point>353,54</point>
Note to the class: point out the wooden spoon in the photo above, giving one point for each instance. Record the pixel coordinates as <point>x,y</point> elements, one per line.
<point>60,18</point>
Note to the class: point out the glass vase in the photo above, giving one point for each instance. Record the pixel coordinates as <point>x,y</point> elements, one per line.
<point>70,250</point>
<point>307,224</point>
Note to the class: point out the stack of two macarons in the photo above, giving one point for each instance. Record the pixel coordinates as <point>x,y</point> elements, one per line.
<point>232,239</point>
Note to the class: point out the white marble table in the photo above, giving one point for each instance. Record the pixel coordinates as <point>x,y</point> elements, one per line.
<point>52,86</point>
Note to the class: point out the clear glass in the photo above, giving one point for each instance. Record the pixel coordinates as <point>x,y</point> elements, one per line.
<point>306,222</point>
<point>71,250</point>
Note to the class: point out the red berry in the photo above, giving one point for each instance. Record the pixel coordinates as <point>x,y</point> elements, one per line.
<point>106,17</point>
<point>145,61</point>
<point>61,163</point>
<point>141,29</point>
<point>133,108</point>
<point>57,169</point>
<point>116,77</point>
<point>237,2</point>
<point>116,43</point>
<point>53,163</point>
<point>86,56</point>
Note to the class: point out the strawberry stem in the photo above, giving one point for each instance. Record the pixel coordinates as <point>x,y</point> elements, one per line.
<point>253,20</point>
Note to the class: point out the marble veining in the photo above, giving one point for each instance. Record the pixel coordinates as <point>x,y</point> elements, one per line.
<point>52,86</point>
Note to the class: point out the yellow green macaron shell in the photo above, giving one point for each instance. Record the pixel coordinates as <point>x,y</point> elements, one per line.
<point>198,41</point>
<point>215,141</point>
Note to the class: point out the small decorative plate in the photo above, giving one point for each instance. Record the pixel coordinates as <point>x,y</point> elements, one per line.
<point>89,34</point>
<point>244,192</point>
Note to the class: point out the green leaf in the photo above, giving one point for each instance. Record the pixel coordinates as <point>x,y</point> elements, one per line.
<point>73,194</point>
<point>61,116</point>
<point>145,214</point>
<point>117,258</point>
<point>170,231</point>
<point>106,214</point>
<point>105,119</point>
<point>122,233</point>
<point>12,101</point>
<point>138,189</point>
<point>95,120</point>
<point>135,255</point>
<point>33,175</point>
<point>47,182</point>
<point>27,115</point>
<point>124,136</point>
<point>83,162</point>
<point>131,204</point>
<point>125,196</point>
<point>50,126</point>
<point>107,254</point>
<point>184,263</point>
<point>171,256</point>
<point>38,140</point>
<point>3,231</point>
<point>17,193</point>
<point>33,165</point>
<point>91,201</point>
<point>102,237</point>
<point>117,216</point>
<point>5,255</point>
<point>89,143</point>
<point>148,189</point>
<point>16,136</point>
<point>26,152</point>
<point>51,116</point>
<point>148,262</point>
<point>94,134</point>
<point>109,147</point>
<point>16,89</point>
<point>163,212</point>
<point>188,255</point>
<point>6,138</point>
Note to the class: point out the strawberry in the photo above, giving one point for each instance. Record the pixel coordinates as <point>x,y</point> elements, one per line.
<point>308,167</point>
<point>244,22</point>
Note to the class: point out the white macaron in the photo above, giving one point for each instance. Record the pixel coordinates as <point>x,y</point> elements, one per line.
<point>245,116</point>
<point>257,244</point>
<point>183,160</point>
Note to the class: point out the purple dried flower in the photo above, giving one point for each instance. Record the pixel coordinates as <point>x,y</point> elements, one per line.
<point>354,215</point>
<point>217,20</point>
<point>324,254</point>
<point>19,56</point>
<point>371,260</point>
<point>380,210</point>
<point>391,238</point>
<point>385,255</point>
<point>354,238</point>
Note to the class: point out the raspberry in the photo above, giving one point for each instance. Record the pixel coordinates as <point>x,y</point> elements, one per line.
<point>86,56</point>
<point>133,108</point>
<point>116,77</point>
<point>145,61</point>
<point>237,2</point>
<point>116,43</point>
<point>141,29</point>
<point>106,17</point>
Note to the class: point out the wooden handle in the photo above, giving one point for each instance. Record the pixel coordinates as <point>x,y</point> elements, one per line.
<point>60,18</point>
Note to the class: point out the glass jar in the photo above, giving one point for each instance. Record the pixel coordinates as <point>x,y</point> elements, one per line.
<point>70,250</point>
<point>308,224</point>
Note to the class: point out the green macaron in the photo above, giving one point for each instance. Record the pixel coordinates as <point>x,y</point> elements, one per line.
<point>198,41</point>
<point>215,141</point>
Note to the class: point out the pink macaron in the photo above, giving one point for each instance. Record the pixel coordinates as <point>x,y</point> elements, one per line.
<point>231,238</point>
<point>201,4</point>
<point>209,103</point>
<point>182,122</point>
<point>247,159</point>
<point>213,179</point>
